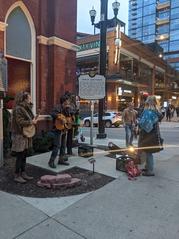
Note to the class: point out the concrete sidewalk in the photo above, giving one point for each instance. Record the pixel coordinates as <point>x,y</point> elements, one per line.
<point>144,209</point>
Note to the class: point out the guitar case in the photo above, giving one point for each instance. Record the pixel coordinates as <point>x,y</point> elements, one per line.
<point>85,151</point>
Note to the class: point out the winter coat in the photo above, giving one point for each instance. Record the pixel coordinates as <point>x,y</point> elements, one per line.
<point>22,116</point>
<point>152,140</point>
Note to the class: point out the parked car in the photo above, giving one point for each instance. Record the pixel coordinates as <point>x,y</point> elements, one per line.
<point>110,118</point>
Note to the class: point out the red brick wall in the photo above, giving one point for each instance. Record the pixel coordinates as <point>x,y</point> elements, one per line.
<point>56,66</point>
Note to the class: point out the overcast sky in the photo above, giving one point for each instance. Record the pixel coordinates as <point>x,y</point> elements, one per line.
<point>84,22</point>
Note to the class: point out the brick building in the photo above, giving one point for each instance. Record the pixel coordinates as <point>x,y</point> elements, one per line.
<point>38,39</point>
<point>133,70</point>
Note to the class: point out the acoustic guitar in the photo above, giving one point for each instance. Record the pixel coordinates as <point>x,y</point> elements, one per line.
<point>63,122</point>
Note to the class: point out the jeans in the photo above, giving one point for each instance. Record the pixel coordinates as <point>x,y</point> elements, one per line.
<point>149,162</point>
<point>129,134</point>
<point>56,144</point>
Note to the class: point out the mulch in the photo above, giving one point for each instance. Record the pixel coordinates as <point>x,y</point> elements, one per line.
<point>89,181</point>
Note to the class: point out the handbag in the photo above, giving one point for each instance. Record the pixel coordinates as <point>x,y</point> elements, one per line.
<point>29,131</point>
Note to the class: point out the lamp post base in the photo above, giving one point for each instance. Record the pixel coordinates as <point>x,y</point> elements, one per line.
<point>101,136</point>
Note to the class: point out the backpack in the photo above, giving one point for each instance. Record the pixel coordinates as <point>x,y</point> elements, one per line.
<point>148,119</point>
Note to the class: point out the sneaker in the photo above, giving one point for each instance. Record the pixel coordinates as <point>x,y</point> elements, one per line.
<point>19,179</point>
<point>26,177</point>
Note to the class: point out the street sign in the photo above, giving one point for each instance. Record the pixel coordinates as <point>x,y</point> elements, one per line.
<point>92,88</point>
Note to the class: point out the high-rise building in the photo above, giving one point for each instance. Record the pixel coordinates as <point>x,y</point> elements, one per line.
<point>156,21</point>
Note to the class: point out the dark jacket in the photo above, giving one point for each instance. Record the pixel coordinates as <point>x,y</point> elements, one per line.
<point>152,141</point>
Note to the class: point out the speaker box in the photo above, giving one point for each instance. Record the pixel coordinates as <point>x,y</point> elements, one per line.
<point>85,151</point>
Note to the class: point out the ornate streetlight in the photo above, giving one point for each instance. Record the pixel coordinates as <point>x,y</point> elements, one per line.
<point>102,25</point>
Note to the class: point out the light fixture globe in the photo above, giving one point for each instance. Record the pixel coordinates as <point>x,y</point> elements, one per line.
<point>116,6</point>
<point>92,13</point>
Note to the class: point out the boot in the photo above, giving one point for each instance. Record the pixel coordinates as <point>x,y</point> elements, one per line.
<point>19,179</point>
<point>51,164</point>
<point>63,157</point>
<point>26,177</point>
<point>62,161</point>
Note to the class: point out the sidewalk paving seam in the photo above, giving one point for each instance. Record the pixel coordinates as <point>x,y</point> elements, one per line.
<point>70,229</point>
<point>30,228</point>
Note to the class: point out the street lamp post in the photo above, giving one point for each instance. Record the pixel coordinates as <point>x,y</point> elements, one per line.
<point>102,59</point>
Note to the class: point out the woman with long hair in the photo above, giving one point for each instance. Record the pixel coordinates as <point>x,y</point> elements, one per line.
<point>149,133</point>
<point>22,116</point>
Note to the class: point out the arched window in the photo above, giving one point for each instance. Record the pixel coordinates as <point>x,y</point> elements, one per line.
<point>18,35</point>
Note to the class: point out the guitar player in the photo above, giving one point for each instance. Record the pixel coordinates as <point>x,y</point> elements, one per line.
<point>59,132</point>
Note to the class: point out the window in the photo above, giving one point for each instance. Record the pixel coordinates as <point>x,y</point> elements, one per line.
<point>163,14</point>
<point>174,46</point>
<point>18,38</point>
<point>147,2</point>
<point>174,13</point>
<point>174,24</point>
<point>164,45</point>
<point>174,3</point>
<point>149,20</point>
<point>148,10</point>
<point>149,30</point>
<point>163,29</point>
<point>148,39</point>
<point>174,35</point>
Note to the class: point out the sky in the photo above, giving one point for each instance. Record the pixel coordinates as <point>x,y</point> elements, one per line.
<point>83,18</point>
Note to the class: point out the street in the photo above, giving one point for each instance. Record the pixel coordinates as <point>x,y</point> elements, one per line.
<point>169,134</point>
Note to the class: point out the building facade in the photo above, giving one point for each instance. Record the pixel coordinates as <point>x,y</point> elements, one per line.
<point>38,40</point>
<point>156,21</point>
<point>133,71</point>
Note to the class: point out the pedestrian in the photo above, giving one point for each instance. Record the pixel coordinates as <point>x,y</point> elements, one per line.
<point>163,111</point>
<point>59,132</point>
<point>150,140</point>
<point>177,111</point>
<point>129,117</point>
<point>22,116</point>
<point>168,112</point>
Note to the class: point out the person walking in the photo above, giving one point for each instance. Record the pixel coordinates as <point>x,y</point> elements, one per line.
<point>59,134</point>
<point>22,116</point>
<point>168,112</point>
<point>129,117</point>
<point>150,140</point>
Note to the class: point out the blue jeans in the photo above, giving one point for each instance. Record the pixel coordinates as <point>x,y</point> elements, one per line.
<point>149,162</point>
<point>56,144</point>
<point>129,134</point>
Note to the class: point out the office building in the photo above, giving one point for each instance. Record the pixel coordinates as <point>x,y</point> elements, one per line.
<point>156,21</point>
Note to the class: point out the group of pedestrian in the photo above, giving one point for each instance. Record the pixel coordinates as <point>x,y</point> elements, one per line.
<point>169,111</point>
<point>149,140</point>
<point>22,116</point>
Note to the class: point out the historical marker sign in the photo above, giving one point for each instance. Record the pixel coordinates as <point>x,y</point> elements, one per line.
<point>92,88</point>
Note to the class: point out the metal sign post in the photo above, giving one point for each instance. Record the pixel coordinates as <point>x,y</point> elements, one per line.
<point>91,128</point>
<point>92,88</point>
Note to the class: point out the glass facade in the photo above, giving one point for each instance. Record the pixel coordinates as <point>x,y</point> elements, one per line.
<point>156,20</point>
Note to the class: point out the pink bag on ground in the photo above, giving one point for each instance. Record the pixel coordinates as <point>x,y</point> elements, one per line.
<point>132,170</point>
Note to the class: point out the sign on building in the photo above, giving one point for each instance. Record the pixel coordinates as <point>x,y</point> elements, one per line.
<point>92,88</point>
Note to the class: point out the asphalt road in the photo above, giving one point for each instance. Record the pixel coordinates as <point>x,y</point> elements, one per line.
<point>170,135</point>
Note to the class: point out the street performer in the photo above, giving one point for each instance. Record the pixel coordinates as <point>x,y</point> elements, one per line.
<point>60,128</point>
